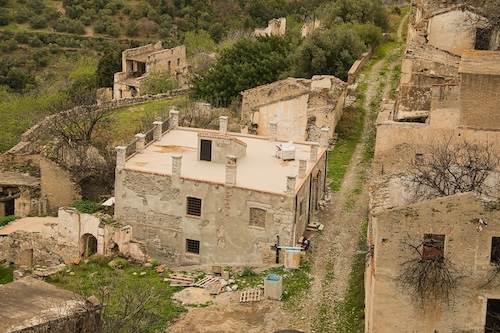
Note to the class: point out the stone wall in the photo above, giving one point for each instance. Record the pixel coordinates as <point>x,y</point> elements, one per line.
<point>467,247</point>
<point>480,100</point>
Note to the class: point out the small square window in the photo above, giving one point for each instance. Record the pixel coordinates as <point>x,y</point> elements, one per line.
<point>495,250</point>
<point>193,206</point>
<point>257,217</point>
<point>192,246</point>
<point>419,159</point>
<point>433,247</point>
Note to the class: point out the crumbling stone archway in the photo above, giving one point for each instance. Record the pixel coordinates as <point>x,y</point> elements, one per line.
<point>88,245</point>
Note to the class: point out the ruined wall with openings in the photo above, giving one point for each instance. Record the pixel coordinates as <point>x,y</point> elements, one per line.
<point>467,249</point>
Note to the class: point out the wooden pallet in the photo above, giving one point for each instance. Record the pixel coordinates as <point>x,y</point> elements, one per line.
<point>250,295</point>
<point>206,280</point>
<point>214,288</point>
<point>181,280</point>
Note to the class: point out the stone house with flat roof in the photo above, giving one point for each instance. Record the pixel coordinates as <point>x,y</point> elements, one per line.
<point>138,62</point>
<point>196,196</point>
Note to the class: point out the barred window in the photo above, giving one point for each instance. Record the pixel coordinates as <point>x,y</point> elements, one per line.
<point>193,206</point>
<point>495,250</point>
<point>192,246</point>
<point>257,217</point>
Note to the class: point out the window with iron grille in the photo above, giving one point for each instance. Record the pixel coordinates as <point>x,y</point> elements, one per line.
<point>257,217</point>
<point>193,206</point>
<point>192,246</point>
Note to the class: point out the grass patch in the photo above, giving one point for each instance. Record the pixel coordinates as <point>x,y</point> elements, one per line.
<point>4,220</point>
<point>349,129</point>
<point>138,302</point>
<point>6,275</point>
<point>294,282</point>
<point>130,120</point>
<point>350,312</point>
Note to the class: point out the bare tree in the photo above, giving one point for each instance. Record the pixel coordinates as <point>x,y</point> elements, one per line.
<point>484,18</point>
<point>453,166</point>
<point>427,274</point>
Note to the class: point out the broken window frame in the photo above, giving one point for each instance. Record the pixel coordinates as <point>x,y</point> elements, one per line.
<point>492,321</point>
<point>254,214</point>
<point>192,246</point>
<point>193,206</point>
<point>495,251</point>
<point>433,246</point>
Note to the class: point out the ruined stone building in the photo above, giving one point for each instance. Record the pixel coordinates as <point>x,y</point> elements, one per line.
<point>275,27</point>
<point>138,62</point>
<point>196,196</point>
<point>32,306</point>
<point>51,241</point>
<point>448,91</point>
<point>33,185</point>
<point>301,107</point>
<point>309,27</point>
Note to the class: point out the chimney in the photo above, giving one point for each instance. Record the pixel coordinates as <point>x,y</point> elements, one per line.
<point>302,167</point>
<point>121,152</point>
<point>174,114</point>
<point>158,123</point>
<point>290,184</point>
<point>273,129</point>
<point>140,143</point>
<point>176,165</point>
<point>223,124</point>
<point>323,141</point>
<point>313,156</point>
<point>231,170</point>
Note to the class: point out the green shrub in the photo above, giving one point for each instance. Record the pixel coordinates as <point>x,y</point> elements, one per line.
<point>87,206</point>
<point>6,275</point>
<point>7,219</point>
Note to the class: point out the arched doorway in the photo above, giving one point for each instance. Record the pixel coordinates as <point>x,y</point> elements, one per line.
<point>89,245</point>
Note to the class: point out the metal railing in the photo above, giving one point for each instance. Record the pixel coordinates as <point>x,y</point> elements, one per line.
<point>165,127</point>
<point>130,148</point>
<point>149,136</point>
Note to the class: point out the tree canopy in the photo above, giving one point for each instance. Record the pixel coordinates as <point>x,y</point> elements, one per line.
<point>246,64</point>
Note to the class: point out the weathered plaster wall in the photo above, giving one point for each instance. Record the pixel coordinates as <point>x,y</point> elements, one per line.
<point>173,60</point>
<point>466,246</point>
<point>480,100</point>
<point>56,186</point>
<point>450,31</point>
<point>222,146</point>
<point>290,116</point>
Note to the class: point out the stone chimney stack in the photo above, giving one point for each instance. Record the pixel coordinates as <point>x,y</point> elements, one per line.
<point>223,124</point>
<point>231,170</point>
<point>273,129</point>
<point>158,123</point>
<point>313,156</point>
<point>140,143</point>
<point>121,152</point>
<point>176,165</point>
<point>290,184</point>
<point>302,167</point>
<point>175,119</point>
<point>323,141</point>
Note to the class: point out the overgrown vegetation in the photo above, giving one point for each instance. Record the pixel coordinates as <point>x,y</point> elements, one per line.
<point>139,302</point>
<point>6,275</point>
<point>7,219</point>
<point>294,282</point>
<point>87,206</point>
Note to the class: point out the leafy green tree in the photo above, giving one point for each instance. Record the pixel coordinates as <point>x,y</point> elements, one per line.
<point>38,22</point>
<point>331,52</point>
<point>158,82</point>
<point>246,64</point>
<point>109,64</point>
<point>4,19</point>
<point>360,11</point>
<point>198,41</point>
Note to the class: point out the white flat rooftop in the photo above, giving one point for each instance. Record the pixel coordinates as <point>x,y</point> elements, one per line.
<point>259,170</point>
